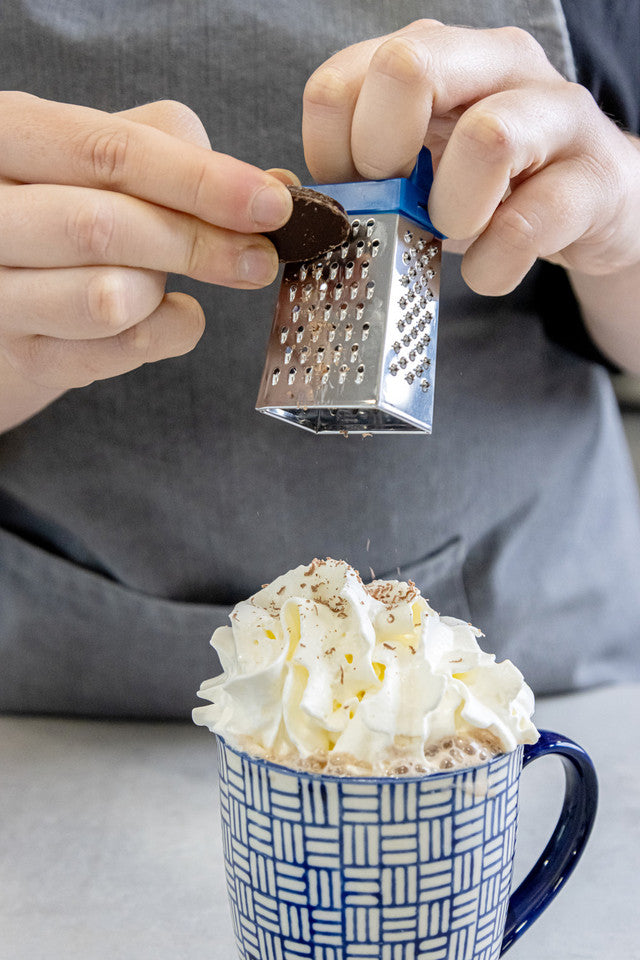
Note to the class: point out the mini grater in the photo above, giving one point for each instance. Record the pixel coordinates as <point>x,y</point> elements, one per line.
<point>353,343</point>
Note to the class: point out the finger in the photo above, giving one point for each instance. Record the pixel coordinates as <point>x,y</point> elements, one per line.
<point>77,303</point>
<point>57,226</point>
<point>330,97</point>
<point>395,96</point>
<point>45,142</point>
<point>171,117</point>
<point>172,330</point>
<point>284,176</point>
<point>543,215</point>
<point>494,142</point>
<point>462,66</point>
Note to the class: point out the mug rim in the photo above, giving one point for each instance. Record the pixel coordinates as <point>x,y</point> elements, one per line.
<point>362,778</point>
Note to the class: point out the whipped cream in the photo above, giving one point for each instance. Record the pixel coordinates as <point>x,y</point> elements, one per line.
<point>319,664</point>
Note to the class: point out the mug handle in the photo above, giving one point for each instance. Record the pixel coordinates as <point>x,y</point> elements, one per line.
<point>568,840</point>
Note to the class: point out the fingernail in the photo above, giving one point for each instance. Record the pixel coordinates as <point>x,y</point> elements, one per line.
<point>271,207</point>
<point>257,265</point>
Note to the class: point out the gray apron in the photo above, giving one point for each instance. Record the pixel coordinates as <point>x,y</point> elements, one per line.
<point>134,512</point>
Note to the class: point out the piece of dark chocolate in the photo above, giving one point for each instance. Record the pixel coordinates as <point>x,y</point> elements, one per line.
<point>318,223</point>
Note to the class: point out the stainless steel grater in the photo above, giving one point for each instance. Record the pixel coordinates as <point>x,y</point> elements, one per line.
<point>353,343</point>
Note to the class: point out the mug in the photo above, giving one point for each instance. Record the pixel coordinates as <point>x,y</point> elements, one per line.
<point>391,868</point>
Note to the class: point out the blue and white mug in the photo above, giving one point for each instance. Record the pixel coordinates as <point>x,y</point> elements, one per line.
<point>391,868</point>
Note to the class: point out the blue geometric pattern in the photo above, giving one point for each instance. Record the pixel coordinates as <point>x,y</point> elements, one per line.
<point>330,868</point>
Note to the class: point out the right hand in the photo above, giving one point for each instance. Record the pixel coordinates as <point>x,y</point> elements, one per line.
<point>95,210</point>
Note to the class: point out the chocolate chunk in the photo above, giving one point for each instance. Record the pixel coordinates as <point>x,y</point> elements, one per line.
<point>318,223</point>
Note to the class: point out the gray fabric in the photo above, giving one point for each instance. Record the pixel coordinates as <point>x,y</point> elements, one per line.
<point>136,510</point>
<point>111,847</point>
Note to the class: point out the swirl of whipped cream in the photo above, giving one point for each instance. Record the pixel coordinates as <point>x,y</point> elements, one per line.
<point>317,662</point>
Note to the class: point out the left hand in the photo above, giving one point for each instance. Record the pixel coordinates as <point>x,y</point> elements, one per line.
<point>526,164</point>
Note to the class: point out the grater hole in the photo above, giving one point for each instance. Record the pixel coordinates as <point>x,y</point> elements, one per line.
<point>432,250</point>
<point>284,333</point>
<point>370,225</point>
<point>360,373</point>
<point>409,378</point>
<point>359,311</point>
<point>293,289</point>
<point>348,331</point>
<point>344,309</point>
<point>375,246</point>
<point>393,369</point>
<point>308,374</point>
<point>275,376</point>
<point>344,249</point>
<point>332,332</point>
<point>364,269</point>
<point>325,375</point>
<point>337,350</point>
<point>299,334</point>
<point>424,385</point>
<point>348,269</point>
<point>327,310</point>
<point>353,290</point>
<point>406,257</point>
<point>320,355</point>
<point>404,280</point>
<point>318,269</point>
<point>287,354</point>
<point>421,244</point>
<point>369,289</point>
<point>307,290</point>
<point>295,313</point>
<point>322,289</point>
<point>304,353</point>
<point>408,237</point>
<point>354,352</point>
<point>355,227</point>
<point>302,272</point>
<point>344,370</point>
<point>360,245</point>
<point>337,291</point>
<point>311,311</point>
<point>333,270</point>
<point>365,330</point>
<point>292,375</point>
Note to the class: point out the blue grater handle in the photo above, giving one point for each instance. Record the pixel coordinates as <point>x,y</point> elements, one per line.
<point>405,195</point>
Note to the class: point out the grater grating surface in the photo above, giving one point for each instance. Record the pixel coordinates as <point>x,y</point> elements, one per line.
<point>353,343</point>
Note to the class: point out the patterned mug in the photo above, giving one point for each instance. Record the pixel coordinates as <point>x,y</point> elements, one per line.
<point>391,868</point>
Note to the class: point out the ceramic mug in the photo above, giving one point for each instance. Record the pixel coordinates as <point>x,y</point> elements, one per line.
<point>391,868</point>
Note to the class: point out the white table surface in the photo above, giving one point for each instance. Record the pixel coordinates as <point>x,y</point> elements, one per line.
<point>110,845</point>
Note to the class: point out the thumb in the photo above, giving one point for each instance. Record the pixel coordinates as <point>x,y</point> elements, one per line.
<point>171,117</point>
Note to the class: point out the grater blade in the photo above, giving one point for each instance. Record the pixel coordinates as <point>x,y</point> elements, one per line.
<point>353,342</point>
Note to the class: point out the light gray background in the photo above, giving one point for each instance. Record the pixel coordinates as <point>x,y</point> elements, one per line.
<point>110,846</point>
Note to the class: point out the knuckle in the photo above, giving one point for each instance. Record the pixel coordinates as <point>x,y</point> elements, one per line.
<point>525,44</point>
<point>328,89</point>
<point>90,227</point>
<point>399,59</point>
<point>198,251</point>
<point>105,152</point>
<point>107,301</point>
<point>517,229</point>
<point>487,134</point>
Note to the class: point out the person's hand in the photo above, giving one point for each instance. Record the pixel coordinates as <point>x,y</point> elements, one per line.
<point>527,165</point>
<point>95,209</point>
